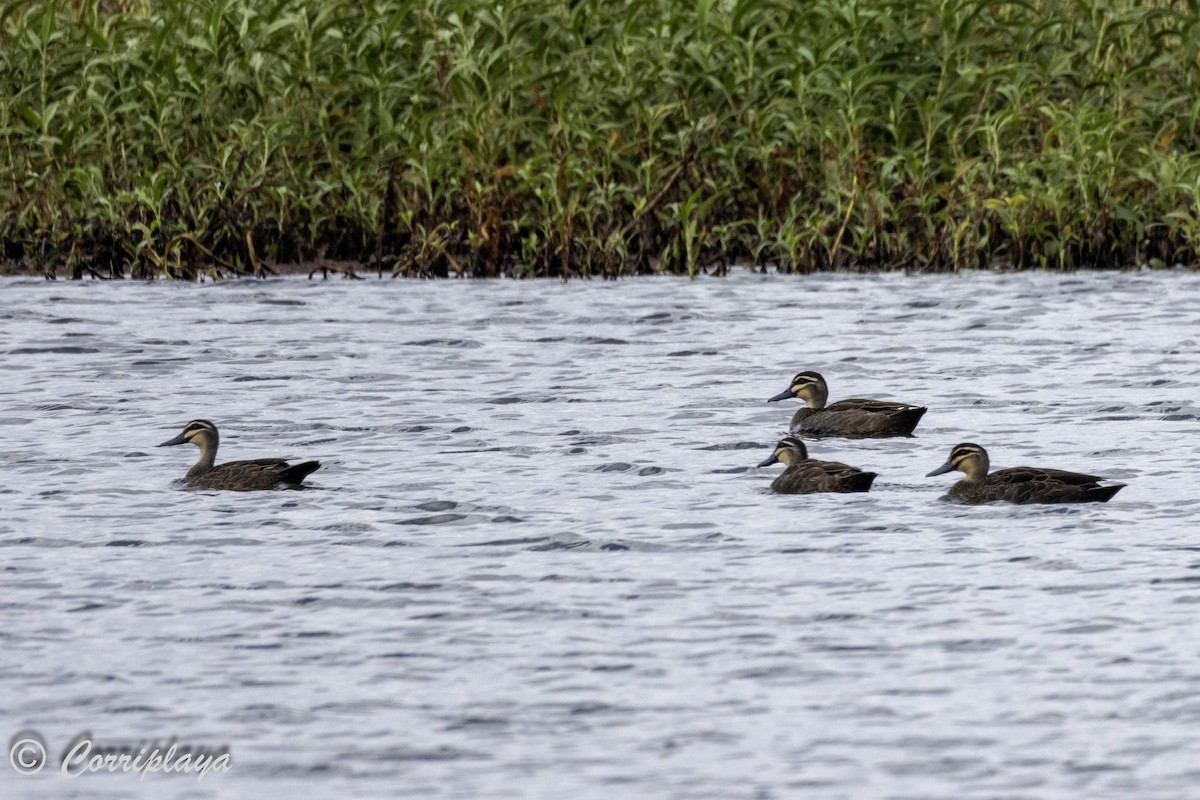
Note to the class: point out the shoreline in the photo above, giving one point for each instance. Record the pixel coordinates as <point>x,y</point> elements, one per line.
<point>357,271</point>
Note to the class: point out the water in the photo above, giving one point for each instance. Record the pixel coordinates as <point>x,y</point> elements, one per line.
<point>537,560</point>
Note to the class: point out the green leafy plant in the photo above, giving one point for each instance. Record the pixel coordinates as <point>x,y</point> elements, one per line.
<point>549,139</point>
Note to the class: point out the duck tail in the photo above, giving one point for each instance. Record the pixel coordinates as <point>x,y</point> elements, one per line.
<point>862,482</point>
<point>909,418</point>
<point>1102,494</point>
<point>298,472</point>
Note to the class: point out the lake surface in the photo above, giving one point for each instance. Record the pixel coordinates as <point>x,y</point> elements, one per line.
<point>538,560</point>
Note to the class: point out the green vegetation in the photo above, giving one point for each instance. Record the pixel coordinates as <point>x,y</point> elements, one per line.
<point>598,138</point>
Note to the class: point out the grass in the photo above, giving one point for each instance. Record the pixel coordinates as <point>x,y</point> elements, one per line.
<point>178,137</point>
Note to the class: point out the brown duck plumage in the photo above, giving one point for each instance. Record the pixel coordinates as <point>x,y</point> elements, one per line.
<point>855,417</point>
<point>258,473</point>
<point>806,475</point>
<point>1019,484</point>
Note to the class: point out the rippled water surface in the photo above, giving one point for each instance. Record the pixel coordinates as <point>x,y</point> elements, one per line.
<point>538,562</point>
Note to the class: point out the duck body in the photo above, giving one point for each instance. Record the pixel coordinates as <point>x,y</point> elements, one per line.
<point>858,418</point>
<point>1033,485</point>
<point>1019,484</point>
<point>806,475</point>
<point>853,418</point>
<point>251,475</point>
<point>811,476</point>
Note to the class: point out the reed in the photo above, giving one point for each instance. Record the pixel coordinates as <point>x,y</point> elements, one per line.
<point>458,137</point>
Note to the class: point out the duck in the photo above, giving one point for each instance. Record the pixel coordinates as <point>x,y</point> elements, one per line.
<point>1018,484</point>
<point>853,418</point>
<point>806,475</point>
<point>259,473</point>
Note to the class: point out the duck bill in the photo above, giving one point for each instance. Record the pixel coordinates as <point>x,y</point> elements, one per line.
<point>772,460</point>
<point>942,470</point>
<point>784,395</point>
<point>180,439</point>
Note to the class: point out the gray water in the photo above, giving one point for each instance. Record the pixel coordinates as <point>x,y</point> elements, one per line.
<point>538,562</point>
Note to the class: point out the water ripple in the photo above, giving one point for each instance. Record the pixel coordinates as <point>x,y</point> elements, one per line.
<point>539,560</point>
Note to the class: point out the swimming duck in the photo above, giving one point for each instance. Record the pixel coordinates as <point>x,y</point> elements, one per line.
<point>852,418</point>
<point>805,475</point>
<point>259,473</point>
<point>1019,484</point>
